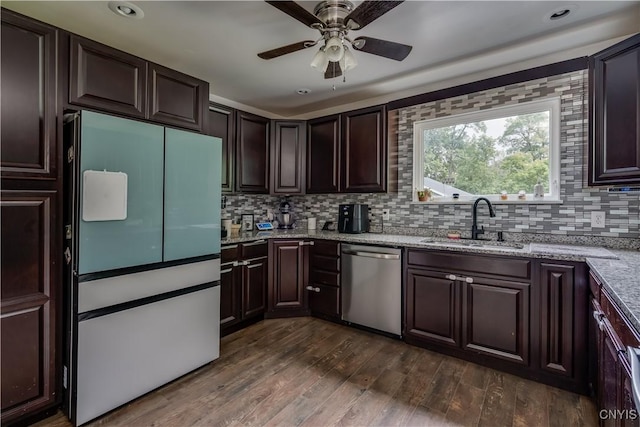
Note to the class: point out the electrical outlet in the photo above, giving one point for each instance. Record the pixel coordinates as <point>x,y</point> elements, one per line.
<point>597,219</point>
<point>385,214</point>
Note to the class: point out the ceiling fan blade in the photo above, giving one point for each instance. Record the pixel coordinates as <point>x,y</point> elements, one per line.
<point>283,50</point>
<point>368,11</point>
<point>333,70</point>
<point>298,12</point>
<point>385,48</point>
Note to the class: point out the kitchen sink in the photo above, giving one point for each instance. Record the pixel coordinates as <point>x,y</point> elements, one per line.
<point>485,244</point>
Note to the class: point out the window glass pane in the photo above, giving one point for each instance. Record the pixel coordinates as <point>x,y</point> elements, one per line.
<point>486,157</point>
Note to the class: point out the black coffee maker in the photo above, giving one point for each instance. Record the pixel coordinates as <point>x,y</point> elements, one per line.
<point>353,218</point>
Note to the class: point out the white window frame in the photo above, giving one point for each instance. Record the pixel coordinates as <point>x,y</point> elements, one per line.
<point>552,105</point>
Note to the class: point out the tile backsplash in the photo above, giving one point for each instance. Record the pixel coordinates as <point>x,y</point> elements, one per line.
<point>571,218</point>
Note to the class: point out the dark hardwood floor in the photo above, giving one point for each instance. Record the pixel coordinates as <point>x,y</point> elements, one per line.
<point>306,371</point>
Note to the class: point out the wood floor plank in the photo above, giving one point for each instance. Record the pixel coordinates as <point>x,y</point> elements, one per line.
<point>413,390</point>
<point>499,401</point>
<point>443,385</point>
<point>466,405</point>
<point>531,408</point>
<point>306,371</point>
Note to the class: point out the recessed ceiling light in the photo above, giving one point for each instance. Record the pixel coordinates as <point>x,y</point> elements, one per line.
<point>303,91</point>
<point>560,12</point>
<point>126,9</point>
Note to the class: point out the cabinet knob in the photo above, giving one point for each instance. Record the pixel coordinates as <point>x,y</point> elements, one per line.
<point>317,289</point>
<point>235,263</point>
<point>245,262</point>
<point>451,276</point>
<point>310,288</point>
<point>468,279</point>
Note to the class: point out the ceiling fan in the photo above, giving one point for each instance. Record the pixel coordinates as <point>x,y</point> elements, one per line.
<point>334,19</point>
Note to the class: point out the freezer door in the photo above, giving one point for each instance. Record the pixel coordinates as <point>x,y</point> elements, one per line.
<point>129,353</point>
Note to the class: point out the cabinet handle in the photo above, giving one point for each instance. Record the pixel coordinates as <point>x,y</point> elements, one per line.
<point>451,276</point>
<point>317,289</point>
<point>599,316</point>
<point>226,270</point>
<point>257,242</point>
<point>228,247</point>
<point>235,263</point>
<point>301,243</point>
<point>245,263</point>
<point>310,288</point>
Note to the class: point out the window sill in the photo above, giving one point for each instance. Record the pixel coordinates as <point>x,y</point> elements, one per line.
<point>446,201</point>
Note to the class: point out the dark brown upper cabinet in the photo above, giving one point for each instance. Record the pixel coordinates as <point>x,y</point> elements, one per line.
<point>364,151</point>
<point>177,99</point>
<point>28,85</point>
<point>106,79</point>
<point>252,153</point>
<point>614,105</point>
<point>288,148</point>
<point>222,124</point>
<point>323,155</point>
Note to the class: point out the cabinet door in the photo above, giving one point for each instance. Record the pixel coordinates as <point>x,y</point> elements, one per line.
<point>288,147</point>
<point>496,319</point>
<point>364,151</point>
<point>30,274</point>
<point>222,125</point>
<point>191,195</point>
<point>252,153</point>
<point>230,295</point>
<point>177,99</point>
<point>254,282</point>
<point>609,388</point>
<point>432,307</point>
<point>28,86</point>
<point>323,155</point>
<point>106,79</point>
<point>324,300</point>
<point>287,286</point>
<point>614,98</point>
<point>559,326</point>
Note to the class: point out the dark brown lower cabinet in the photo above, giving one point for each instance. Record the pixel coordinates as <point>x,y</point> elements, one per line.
<point>523,316</point>
<point>612,334</point>
<point>433,307</point>
<point>288,279</point>
<point>495,320</point>
<point>324,280</point>
<point>243,284</point>
<point>30,276</point>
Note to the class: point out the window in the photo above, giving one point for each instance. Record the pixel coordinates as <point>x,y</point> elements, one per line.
<point>505,149</point>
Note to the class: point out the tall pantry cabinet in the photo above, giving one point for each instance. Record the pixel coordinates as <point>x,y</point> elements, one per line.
<point>30,206</point>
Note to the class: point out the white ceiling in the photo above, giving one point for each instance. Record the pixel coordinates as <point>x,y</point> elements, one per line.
<point>453,42</point>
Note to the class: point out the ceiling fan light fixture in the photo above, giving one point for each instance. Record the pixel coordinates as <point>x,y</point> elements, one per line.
<point>320,61</point>
<point>334,49</point>
<point>348,61</point>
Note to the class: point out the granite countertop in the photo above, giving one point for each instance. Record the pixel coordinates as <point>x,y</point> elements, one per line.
<point>529,250</point>
<point>621,278</point>
<point>618,270</point>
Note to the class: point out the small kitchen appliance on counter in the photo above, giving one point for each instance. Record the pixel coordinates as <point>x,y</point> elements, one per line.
<point>285,217</point>
<point>353,218</point>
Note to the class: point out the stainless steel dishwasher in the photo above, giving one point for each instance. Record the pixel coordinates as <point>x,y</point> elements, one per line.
<point>372,287</point>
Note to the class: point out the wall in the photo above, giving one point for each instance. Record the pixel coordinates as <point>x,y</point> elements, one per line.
<point>572,218</point>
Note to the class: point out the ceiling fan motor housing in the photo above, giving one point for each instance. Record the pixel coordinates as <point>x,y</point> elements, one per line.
<point>333,12</point>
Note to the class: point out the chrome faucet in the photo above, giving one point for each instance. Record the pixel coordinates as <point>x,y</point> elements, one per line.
<point>475,231</point>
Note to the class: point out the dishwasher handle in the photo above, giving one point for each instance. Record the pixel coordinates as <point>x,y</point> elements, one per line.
<point>370,254</point>
<point>634,355</point>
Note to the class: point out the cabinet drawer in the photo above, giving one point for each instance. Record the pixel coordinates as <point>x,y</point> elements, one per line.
<point>324,300</point>
<point>256,249</point>
<point>327,263</point>
<point>324,277</point>
<point>594,286</point>
<point>326,247</point>
<point>229,253</point>
<point>494,266</point>
<point>625,332</point>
